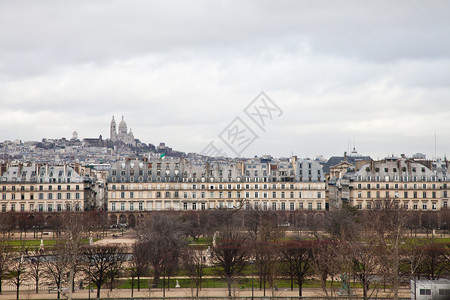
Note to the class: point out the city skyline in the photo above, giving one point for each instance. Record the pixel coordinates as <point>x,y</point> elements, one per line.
<point>371,74</point>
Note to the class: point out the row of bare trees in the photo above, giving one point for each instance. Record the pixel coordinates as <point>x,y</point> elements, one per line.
<point>59,264</point>
<point>376,249</point>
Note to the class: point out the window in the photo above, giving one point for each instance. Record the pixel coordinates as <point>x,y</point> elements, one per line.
<point>131,195</point>
<point>274,206</point>
<point>41,207</point>
<point>131,205</point>
<point>319,206</point>
<point>3,207</point>
<point>113,206</point>
<point>283,205</point>
<point>22,207</point>
<point>424,206</point>
<point>122,206</point>
<point>50,207</point>
<point>425,291</point>
<point>319,195</point>
<point>58,207</point>
<point>359,205</point>
<point>309,205</point>
<point>68,196</point>
<point>41,196</point>
<point>185,206</point>
<point>300,205</point>
<point>77,195</point>
<point>13,207</point>
<point>59,196</point>
<point>141,206</point>
<point>291,206</point>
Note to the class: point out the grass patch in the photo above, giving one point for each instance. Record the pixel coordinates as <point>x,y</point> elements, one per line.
<point>24,244</point>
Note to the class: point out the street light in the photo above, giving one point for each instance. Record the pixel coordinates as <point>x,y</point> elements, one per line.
<point>89,287</point>
<point>251,262</point>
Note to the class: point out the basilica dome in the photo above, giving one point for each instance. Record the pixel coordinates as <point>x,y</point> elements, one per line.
<point>122,126</point>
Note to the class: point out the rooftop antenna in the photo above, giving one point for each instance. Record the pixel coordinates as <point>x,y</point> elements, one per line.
<point>435,138</point>
<point>348,145</point>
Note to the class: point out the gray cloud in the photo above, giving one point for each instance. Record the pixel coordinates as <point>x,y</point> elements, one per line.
<point>181,71</point>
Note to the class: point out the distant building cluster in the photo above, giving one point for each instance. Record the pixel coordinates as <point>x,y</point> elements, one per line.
<point>121,174</point>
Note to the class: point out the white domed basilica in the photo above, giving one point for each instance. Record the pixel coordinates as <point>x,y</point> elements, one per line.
<point>123,135</point>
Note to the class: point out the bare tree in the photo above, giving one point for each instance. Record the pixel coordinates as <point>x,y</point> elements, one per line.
<point>194,264</point>
<point>390,224</point>
<point>34,264</point>
<point>164,239</point>
<point>74,228</point>
<point>230,252</point>
<point>322,262</point>
<point>55,266</point>
<point>5,256</point>
<point>296,256</point>
<point>435,261</point>
<point>263,229</point>
<point>17,272</point>
<point>139,263</point>
<point>102,261</point>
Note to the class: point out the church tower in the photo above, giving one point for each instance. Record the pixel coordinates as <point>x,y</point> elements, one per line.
<point>113,131</point>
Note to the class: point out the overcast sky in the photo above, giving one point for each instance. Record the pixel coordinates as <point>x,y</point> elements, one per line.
<point>374,72</point>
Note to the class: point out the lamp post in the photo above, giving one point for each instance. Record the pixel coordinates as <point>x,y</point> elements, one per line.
<point>251,262</point>
<point>89,287</point>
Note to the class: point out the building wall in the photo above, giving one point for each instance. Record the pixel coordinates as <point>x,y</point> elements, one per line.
<point>408,184</point>
<point>28,197</point>
<point>203,196</point>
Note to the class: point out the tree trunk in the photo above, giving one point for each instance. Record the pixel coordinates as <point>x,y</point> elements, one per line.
<point>139,283</point>
<point>98,291</point>
<point>37,285</point>
<point>229,288</point>
<point>132,286</point>
<point>300,284</point>
<point>264,288</point>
